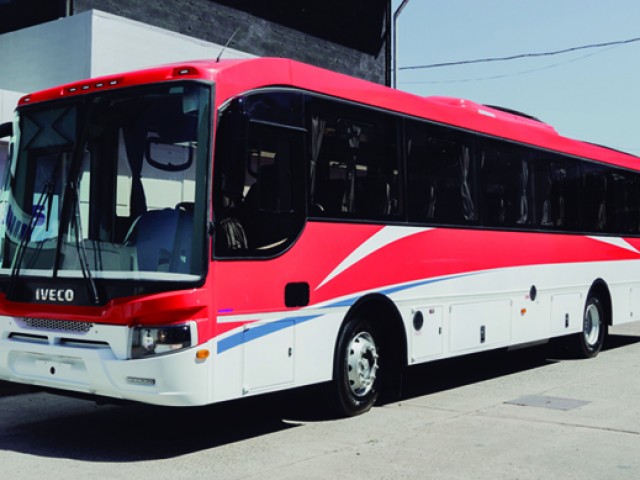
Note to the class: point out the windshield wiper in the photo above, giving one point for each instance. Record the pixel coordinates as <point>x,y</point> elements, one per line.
<point>82,252</point>
<point>45,197</point>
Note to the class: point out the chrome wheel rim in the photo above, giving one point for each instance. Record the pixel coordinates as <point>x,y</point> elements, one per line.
<point>362,364</point>
<point>592,325</point>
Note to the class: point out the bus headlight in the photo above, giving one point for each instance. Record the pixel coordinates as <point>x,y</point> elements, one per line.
<point>149,341</point>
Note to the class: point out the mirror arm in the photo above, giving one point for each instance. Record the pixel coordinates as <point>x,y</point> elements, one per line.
<point>6,129</point>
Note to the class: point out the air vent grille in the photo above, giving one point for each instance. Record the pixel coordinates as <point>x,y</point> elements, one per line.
<point>57,325</point>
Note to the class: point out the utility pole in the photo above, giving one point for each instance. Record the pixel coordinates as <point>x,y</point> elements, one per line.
<point>396,14</point>
<point>387,44</point>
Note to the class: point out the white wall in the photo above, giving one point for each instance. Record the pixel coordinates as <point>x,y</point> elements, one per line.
<point>120,44</point>
<point>8,102</point>
<point>89,44</point>
<point>45,55</point>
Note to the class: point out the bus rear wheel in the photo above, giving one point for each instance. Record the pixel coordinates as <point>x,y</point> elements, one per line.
<point>589,342</point>
<point>357,368</point>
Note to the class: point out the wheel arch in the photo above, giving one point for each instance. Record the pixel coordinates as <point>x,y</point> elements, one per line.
<point>600,289</point>
<point>382,312</point>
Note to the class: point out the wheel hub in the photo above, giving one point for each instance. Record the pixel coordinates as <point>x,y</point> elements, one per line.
<point>591,326</point>
<point>362,364</point>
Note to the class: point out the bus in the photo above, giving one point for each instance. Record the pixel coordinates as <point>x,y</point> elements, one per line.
<point>213,230</point>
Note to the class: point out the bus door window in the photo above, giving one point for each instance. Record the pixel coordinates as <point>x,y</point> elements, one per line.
<point>259,187</point>
<point>440,176</point>
<point>354,167</point>
<point>270,213</point>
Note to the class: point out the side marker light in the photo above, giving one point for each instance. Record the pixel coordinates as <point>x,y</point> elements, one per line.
<point>203,354</point>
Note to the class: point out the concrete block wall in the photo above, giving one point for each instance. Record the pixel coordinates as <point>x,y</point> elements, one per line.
<point>215,23</point>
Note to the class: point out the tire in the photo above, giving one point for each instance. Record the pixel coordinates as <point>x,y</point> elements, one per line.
<point>356,384</point>
<point>589,342</point>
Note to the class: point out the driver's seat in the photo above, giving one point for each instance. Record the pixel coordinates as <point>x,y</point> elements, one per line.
<point>163,240</point>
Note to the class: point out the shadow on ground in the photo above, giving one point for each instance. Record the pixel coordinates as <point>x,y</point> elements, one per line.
<point>52,426</point>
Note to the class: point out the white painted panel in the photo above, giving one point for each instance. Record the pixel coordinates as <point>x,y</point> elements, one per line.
<point>566,315</point>
<point>227,374</point>
<point>479,325</point>
<point>634,304</point>
<point>268,359</point>
<point>530,320</point>
<point>427,341</point>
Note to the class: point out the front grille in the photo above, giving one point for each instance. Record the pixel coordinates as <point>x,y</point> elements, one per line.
<point>57,325</point>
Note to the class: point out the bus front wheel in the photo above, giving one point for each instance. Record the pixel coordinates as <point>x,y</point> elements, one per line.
<point>590,340</point>
<point>357,368</point>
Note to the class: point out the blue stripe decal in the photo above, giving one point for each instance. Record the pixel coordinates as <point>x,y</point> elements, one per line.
<point>254,333</point>
<point>391,290</point>
<point>347,302</point>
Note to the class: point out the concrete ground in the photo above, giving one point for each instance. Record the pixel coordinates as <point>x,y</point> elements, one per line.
<point>517,415</point>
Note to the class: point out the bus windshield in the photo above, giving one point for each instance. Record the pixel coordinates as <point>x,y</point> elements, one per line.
<point>108,185</point>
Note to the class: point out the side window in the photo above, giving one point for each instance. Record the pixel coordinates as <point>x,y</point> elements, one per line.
<point>625,191</point>
<point>505,185</point>
<point>354,169</point>
<point>440,175</point>
<point>611,200</point>
<point>259,175</point>
<point>557,183</point>
<point>597,204</point>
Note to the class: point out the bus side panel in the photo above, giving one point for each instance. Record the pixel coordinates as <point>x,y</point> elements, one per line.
<point>475,290</point>
<point>276,352</point>
<point>454,309</point>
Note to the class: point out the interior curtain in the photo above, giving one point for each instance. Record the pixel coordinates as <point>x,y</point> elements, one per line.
<point>317,135</point>
<point>465,190</point>
<point>524,202</point>
<point>134,143</point>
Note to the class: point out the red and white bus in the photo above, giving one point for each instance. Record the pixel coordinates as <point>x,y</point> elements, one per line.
<point>208,231</point>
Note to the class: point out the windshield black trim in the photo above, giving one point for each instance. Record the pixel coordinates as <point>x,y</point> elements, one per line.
<point>22,288</point>
<point>26,289</point>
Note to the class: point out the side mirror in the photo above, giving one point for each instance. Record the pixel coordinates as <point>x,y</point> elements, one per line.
<point>169,157</point>
<point>6,129</point>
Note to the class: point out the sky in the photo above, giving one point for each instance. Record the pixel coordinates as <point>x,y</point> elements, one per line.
<point>591,95</point>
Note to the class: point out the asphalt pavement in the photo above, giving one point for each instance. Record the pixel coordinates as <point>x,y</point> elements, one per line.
<point>516,415</point>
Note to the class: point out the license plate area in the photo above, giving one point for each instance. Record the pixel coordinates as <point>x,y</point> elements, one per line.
<point>48,368</point>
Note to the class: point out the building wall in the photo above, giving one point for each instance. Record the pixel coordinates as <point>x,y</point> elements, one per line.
<point>91,44</point>
<point>145,45</point>
<point>216,23</point>
<point>45,55</point>
<point>8,102</point>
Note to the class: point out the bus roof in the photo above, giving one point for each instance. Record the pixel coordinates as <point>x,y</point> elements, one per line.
<point>234,77</point>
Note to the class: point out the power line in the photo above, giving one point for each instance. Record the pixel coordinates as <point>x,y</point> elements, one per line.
<point>508,75</point>
<point>522,55</point>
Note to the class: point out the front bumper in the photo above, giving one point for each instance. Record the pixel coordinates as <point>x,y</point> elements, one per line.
<point>95,362</point>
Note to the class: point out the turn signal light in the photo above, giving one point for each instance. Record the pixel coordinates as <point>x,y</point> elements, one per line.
<point>203,354</point>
